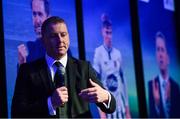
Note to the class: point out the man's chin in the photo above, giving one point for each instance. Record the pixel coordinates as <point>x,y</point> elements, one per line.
<point>60,54</point>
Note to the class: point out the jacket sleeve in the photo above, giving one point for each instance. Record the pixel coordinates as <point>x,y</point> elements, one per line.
<point>94,77</point>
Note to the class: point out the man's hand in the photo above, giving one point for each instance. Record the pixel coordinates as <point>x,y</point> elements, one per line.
<point>22,54</point>
<point>95,94</point>
<point>156,95</point>
<point>128,114</point>
<point>59,97</point>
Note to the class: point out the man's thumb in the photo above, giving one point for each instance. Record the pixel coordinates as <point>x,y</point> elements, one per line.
<point>92,83</point>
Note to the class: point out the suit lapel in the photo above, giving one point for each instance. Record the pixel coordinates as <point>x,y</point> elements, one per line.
<point>46,76</point>
<point>71,77</point>
<point>71,73</point>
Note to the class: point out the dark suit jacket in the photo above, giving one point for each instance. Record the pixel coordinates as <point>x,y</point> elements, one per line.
<point>34,85</point>
<point>174,100</point>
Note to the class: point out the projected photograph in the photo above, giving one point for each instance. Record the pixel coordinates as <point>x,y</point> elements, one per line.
<point>22,22</point>
<point>108,46</point>
<point>159,54</point>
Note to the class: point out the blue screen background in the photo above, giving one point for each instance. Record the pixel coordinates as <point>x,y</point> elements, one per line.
<point>18,29</point>
<point>154,17</point>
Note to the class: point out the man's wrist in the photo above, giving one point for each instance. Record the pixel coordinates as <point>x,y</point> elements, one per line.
<point>106,97</point>
<point>107,102</point>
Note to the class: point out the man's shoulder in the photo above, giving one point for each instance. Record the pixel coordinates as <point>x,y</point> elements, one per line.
<point>78,61</point>
<point>34,43</point>
<point>156,78</point>
<point>31,43</point>
<point>34,64</point>
<point>116,50</point>
<point>38,61</point>
<point>173,82</point>
<point>99,48</point>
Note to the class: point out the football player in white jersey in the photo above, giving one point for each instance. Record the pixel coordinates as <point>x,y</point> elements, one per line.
<point>107,63</point>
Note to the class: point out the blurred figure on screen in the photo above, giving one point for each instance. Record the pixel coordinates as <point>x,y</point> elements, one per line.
<point>107,63</point>
<point>34,49</point>
<point>164,93</point>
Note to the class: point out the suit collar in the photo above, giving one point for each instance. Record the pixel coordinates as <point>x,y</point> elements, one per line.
<point>50,61</point>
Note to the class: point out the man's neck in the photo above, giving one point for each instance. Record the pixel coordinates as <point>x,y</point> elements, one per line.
<point>164,74</point>
<point>108,48</point>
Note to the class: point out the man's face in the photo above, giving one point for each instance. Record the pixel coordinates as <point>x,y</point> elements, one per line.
<point>56,40</point>
<point>161,54</point>
<point>38,16</point>
<point>107,35</point>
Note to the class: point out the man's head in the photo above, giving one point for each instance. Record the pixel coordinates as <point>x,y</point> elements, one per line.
<point>55,37</point>
<point>161,52</point>
<point>40,12</point>
<point>106,30</point>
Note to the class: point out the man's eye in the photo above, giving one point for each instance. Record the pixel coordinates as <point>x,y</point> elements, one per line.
<point>63,34</point>
<point>34,14</point>
<point>53,35</point>
<point>40,14</point>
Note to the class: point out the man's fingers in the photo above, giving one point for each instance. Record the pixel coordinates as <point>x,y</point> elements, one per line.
<point>21,46</point>
<point>87,90</point>
<point>93,83</point>
<point>90,98</point>
<point>22,50</point>
<point>62,89</point>
<point>92,94</point>
<point>64,93</point>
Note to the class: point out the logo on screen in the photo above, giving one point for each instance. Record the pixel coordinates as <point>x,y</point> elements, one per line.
<point>112,83</point>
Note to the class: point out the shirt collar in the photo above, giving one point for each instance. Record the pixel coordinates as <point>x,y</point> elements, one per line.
<point>50,61</point>
<point>162,79</point>
<point>107,49</point>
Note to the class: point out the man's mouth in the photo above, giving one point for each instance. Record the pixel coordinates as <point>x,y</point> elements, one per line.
<point>38,28</point>
<point>60,47</point>
<point>161,62</point>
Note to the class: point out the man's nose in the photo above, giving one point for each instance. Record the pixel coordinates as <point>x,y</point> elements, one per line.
<point>37,19</point>
<point>160,55</point>
<point>60,38</point>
